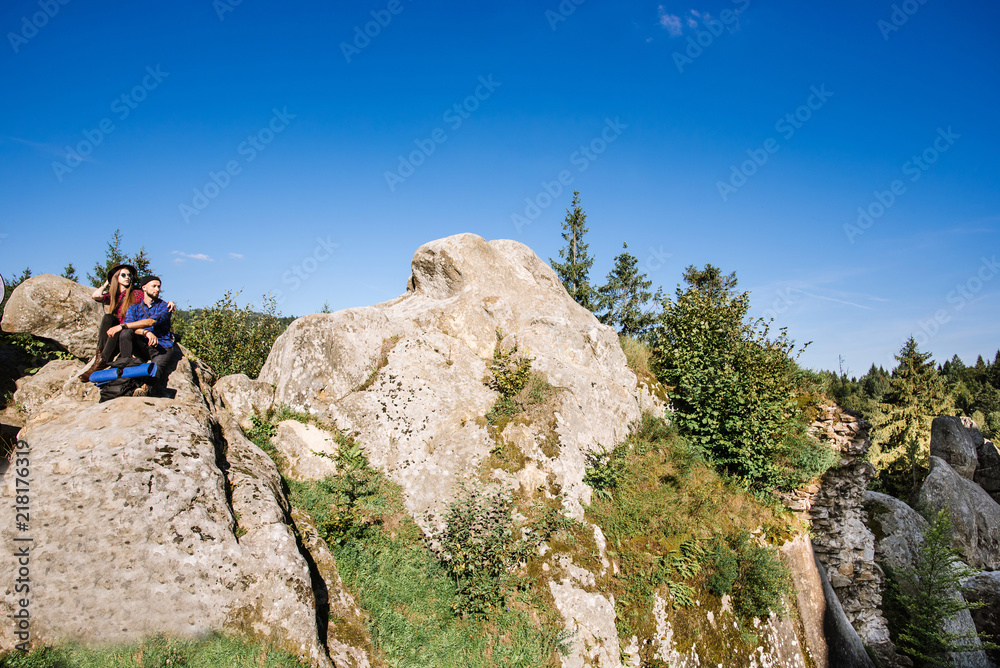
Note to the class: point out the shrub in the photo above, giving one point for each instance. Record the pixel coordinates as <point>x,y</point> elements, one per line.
<point>509,369</point>
<point>605,469</point>
<point>481,545</point>
<point>231,339</point>
<point>733,383</point>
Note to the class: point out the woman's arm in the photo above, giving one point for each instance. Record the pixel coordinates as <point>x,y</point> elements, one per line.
<point>98,295</point>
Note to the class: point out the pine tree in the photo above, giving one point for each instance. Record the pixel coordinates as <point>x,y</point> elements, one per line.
<point>923,597</point>
<point>901,438</point>
<point>623,298</point>
<point>113,256</point>
<point>70,273</point>
<point>575,271</point>
<point>21,278</point>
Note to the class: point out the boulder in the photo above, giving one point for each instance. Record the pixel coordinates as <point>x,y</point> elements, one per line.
<point>307,449</point>
<point>954,442</point>
<point>974,514</point>
<point>244,397</point>
<point>34,390</point>
<point>55,308</point>
<point>984,588</point>
<point>898,529</point>
<point>405,377</point>
<point>988,472</point>
<point>156,515</point>
<point>899,532</point>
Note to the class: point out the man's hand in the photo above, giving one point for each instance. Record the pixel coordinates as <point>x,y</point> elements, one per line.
<point>151,338</point>
<point>171,306</point>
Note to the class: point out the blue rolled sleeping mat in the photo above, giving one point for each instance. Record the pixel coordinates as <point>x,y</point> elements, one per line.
<point>147,370</point>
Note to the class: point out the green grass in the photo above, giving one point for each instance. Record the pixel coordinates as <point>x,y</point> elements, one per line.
<point>672,523</point>
<point>409,597</point>
<point>215,651</point>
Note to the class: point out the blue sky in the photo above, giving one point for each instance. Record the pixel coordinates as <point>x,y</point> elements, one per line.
<point>265,148</point>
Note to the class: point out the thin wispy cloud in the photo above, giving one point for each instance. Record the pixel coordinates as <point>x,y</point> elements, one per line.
<point>839,301</point>
<point>236,256</point>
<point>51,149</point>
<point>183,257</point>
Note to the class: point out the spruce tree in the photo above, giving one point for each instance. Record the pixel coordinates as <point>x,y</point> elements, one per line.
<point>901,438</point>
<point>623,298</point>
<point>113,256</point>
<point>70,273</point>
<point>924,596</point>
<point>575,271</point>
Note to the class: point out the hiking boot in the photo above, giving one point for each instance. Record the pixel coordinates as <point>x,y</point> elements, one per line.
<point>141,391</point>
<point>96,365</point>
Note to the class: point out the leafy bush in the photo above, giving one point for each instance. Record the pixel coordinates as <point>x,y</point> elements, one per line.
<point>752,574</point>
<point>605,469</point>
<point>509,369</point>
<point>481,545</point>
<point>733,383</point>
<point>231,339</point>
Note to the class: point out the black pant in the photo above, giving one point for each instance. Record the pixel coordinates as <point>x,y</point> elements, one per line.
<point>107,346</point>
<point>136,345</point>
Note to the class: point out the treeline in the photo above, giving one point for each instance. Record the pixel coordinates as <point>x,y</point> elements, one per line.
<point>901,404</point>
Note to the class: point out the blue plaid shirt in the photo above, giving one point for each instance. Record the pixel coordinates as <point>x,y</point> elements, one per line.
<point>158,312</point>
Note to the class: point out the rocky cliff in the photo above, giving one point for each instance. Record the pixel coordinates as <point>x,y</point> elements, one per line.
<point>168,519</point>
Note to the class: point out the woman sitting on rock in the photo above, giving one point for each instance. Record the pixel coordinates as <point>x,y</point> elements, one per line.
<point>117,294</point>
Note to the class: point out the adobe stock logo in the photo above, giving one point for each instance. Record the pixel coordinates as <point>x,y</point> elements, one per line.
<point>122,105</point>
<point>38,20</point>
<point>787,125</point>
<point>249,148</point>
<point>914,168</point>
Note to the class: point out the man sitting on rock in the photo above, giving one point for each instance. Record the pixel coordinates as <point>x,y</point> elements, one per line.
<point>146,334</point>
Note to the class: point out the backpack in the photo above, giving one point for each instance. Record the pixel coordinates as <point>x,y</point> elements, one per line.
<point>121,387</point>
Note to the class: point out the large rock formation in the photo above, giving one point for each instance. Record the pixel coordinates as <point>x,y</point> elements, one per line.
<point>55,308</point>
<point>153,515</point>
<point>406,379</point>
<point>406,376</point>
<point>975,516</point>
<point>843,543</point>
<point>955,443</point>
<point>900,530</point>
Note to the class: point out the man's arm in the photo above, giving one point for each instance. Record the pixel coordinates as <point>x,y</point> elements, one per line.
<point>134,319</point>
